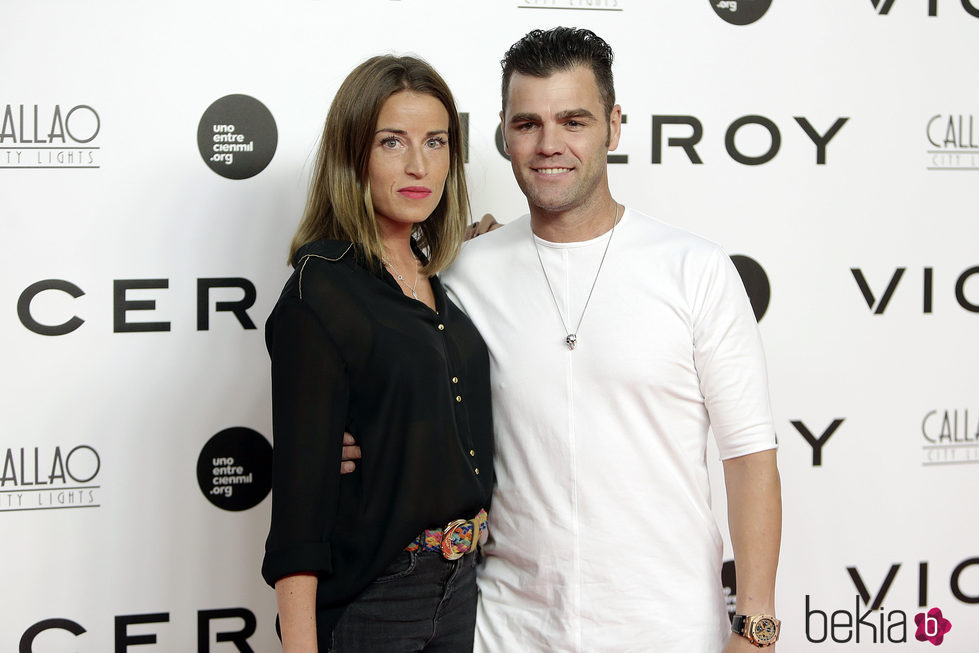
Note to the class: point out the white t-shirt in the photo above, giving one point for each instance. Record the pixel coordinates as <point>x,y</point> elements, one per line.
<point>601,534</point>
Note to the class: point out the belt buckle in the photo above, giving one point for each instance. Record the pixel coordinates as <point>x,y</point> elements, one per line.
<point>449,552</point>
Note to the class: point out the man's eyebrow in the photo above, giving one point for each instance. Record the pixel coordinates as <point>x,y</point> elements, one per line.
<point>561,115</point>
<point>575,113</point>
<point>525,117</point>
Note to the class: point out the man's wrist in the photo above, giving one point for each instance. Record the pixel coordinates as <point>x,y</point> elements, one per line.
<point>761,629</point>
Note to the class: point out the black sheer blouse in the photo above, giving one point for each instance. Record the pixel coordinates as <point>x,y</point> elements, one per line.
<point>351,352</point>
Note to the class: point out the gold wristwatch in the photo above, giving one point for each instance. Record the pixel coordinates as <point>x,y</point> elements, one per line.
<point>759,629</point>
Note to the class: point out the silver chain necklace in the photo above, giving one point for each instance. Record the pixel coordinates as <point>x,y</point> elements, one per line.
<point>401,277</point>
<point>572,339</point>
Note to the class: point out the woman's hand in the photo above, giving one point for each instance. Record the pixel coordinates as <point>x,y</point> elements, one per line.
<point>486,223</point>
<point>351,452</point>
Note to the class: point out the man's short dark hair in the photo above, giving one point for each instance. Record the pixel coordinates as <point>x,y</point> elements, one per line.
<point>542,53</point>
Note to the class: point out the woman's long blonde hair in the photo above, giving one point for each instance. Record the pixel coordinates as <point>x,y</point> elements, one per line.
<point>339,205</point>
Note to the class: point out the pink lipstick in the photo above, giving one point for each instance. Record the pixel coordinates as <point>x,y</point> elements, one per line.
<point>415,192</point>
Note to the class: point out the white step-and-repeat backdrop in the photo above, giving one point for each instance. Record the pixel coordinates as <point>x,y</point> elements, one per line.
<point>153,163</point>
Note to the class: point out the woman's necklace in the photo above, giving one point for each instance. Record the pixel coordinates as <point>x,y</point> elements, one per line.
<point>401,277</point>
<point>572,339</point>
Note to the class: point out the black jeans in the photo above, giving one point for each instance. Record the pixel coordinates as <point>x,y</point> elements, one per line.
<point>421,602</point>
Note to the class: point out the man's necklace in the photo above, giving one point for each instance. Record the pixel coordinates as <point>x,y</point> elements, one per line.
<point>572,339</point>
<point>401,277</point>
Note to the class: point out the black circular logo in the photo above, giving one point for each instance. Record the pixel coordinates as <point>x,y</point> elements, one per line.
<point>755,283</point>
<point>234,469</point>
<point>237,136</point>
<point>740,12</point>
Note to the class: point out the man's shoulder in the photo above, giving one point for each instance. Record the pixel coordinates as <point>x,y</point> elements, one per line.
<point>647,230</point>
<point>499,240</point>
<point>495,248</point>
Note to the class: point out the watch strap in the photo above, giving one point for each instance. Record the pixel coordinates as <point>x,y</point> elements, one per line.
<point>737,624</point>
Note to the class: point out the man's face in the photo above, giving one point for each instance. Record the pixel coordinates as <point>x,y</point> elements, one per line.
<point>558,139</point>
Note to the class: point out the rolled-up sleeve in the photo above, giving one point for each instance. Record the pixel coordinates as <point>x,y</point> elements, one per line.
<point>731,362</point>
<point>309,410</point>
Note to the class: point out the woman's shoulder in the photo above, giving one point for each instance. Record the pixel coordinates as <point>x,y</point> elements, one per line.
<point>327,251</point>
<point>318,264</point>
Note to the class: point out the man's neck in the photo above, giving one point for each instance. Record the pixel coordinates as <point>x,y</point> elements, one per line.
<point>575,226</point>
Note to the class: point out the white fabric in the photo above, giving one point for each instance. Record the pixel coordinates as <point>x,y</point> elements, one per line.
<point>602,538</point>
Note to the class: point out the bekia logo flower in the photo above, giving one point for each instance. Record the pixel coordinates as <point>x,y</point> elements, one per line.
<point>931,626</point>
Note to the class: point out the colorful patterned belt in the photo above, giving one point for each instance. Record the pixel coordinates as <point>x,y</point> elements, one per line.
<point>458,538</point>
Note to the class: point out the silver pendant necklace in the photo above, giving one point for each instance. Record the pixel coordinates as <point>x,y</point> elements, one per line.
<point>572,339</point>
<point>401,276</point>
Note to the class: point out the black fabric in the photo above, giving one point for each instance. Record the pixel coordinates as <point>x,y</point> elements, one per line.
<point>351,352</point>
<point>420,603</point>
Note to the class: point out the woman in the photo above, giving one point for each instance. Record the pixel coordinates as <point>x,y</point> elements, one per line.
<point>364,339</point>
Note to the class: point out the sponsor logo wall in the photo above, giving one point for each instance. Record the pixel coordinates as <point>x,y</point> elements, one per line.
<point>148,205</point>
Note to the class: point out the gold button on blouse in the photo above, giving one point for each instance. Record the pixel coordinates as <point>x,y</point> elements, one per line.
<point>441,327</point>
<point>459,399</point>
<point>472,452</point>
<point>477,471</point>
<point>455,379</point>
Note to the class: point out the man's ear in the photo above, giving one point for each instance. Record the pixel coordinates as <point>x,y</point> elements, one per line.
<point>614,127</point>
<point>506,148</point>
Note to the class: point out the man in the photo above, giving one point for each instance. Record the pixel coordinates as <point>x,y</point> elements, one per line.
<point>616,341</point>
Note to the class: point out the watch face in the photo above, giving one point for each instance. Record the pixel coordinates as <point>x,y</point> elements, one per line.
<point>764,630</point>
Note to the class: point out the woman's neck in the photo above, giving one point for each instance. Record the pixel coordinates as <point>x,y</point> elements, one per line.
<point>397,244</point>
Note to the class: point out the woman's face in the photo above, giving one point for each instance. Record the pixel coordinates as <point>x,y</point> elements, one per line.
<point>409,159</point>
